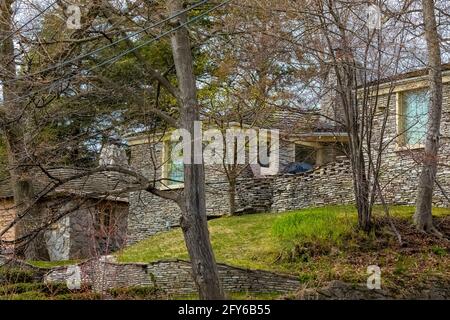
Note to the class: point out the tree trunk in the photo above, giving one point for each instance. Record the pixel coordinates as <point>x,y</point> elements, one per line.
<point>232,196</point>
<point>14,134</point>
<point>423,216</point>
<point>193,222</point>
<point>346,72</point>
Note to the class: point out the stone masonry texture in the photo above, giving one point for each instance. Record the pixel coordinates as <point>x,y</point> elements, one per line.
<point>173,277</point>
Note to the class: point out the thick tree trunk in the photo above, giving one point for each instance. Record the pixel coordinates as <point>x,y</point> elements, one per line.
<point>354,123</point>
<point>14,134</point>
<point>232,196</point>
<point>423,216</point>
<point>194,222</point>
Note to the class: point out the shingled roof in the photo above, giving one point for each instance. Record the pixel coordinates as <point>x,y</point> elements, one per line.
<point>95,185</point>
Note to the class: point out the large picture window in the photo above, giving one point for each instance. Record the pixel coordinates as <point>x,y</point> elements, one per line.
<point>174,167</point>
<point>413,117</point>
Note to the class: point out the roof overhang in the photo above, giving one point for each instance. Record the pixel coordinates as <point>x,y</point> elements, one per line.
<point>320,137</point>
<point>413,82</point>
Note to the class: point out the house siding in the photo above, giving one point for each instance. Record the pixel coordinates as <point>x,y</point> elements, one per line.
<point>7,214</point>
<point>401,168</point>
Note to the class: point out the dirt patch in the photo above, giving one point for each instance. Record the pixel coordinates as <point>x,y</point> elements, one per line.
<point>414,239</point>
<point>338,290</point>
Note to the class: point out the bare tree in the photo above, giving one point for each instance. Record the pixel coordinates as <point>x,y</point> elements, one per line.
<point>23,160</point>
<point>423,215</point>
<point>192,204</point>
<point>14,128</point>
<point>336,38</point>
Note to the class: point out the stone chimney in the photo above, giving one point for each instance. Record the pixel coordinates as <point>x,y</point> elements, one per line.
<point>329,99</point>
<point>113,154</point>
<point>330,104</point>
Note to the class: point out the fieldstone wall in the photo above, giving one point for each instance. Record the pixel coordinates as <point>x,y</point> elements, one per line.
<point>93,234</point>
<point>255,193</point>
<point>174,277</point>
<point>150,214</point>
<point>78,235</point>
<point>7,214</point>
<point>97,227</point>
<point>401,166</point>
<point>328,185</point>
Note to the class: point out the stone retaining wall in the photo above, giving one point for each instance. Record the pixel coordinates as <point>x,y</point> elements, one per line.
<point>328,185</point>
<point>150,214</point>
<point>7,262</point>
<point>174,277</point>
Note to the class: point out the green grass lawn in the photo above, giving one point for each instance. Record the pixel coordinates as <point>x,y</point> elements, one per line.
<point>52,264</point>
<point>316,244</point>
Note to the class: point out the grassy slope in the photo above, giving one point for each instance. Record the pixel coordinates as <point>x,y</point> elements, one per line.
<point>52,264</point>
<point>265,241</point>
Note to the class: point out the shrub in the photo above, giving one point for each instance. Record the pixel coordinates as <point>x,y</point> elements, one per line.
<point>310,232</point>
<point>17,288</point>
<point>29,295</point>
<point>78,296</point>
<point>15,275</point>
<point>56,288</point>
<point>48,289</point>
<point>135,292</point>
<point>439,251</point>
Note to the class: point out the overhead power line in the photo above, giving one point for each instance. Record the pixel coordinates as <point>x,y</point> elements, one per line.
<point>85,55</point>
<point>114,59</point>
<point>28,22</point>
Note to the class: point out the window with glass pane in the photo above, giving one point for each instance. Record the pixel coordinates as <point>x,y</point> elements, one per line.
<point>415,114</point>
<point>175,167</point>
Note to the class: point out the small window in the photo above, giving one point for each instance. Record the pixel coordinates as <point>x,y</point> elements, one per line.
<point>413,117</point>
<point>105,216</point>
<point>174,167</point>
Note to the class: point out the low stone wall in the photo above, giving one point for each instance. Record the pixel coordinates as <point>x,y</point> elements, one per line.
<point>150,214</point>
<point>332,184</point>
<point>7,262</point>
<point>174,277</point>
<point>7,214</point>
<point>255,193</point>
<point>328,185</point>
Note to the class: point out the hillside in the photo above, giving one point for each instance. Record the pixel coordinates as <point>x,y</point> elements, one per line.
<point>318,245</point>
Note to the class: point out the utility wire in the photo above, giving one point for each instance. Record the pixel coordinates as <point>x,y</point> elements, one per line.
<point>28,22</point>
<point>70,61</point>
<point>114,59</point>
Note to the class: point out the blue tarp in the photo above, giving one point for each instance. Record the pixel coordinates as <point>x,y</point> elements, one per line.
<point>298,167</point>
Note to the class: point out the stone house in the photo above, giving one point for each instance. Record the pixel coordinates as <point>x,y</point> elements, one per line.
<point>321,143</point>
<point>150,155</point>
<point>406,128</point>
<point>95,226</point>
<point>304,137</point>
<point>95,223</point>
